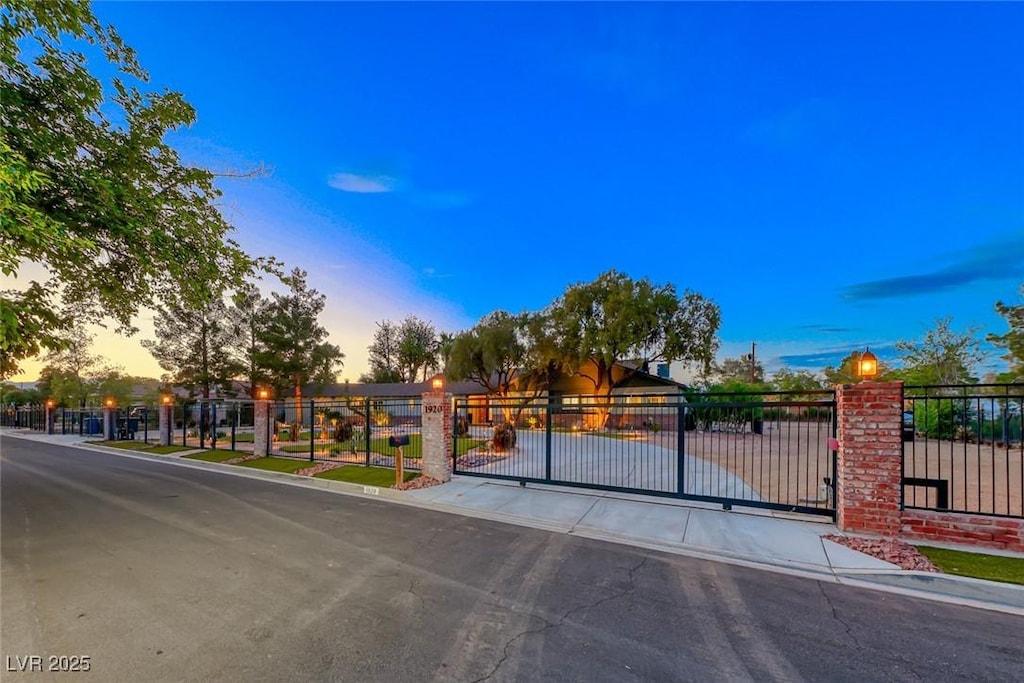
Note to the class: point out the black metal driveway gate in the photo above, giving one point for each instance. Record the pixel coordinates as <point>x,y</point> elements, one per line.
<point>770,450</point>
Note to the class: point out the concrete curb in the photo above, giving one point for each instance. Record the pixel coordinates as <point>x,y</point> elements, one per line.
<point>959,590</point>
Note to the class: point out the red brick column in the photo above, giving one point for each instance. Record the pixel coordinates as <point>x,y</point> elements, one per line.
<point>870,461</point>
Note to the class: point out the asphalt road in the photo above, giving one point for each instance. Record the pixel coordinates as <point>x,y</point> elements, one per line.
<point>157,572</point>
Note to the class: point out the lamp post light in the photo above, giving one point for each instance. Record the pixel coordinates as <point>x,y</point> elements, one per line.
<point>262,394</point>
<point>437,384</point>
<point>867,365</point>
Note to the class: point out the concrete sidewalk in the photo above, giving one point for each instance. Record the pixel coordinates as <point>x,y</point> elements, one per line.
<point>775,541</point>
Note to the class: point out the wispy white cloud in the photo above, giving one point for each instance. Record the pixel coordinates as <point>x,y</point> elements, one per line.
<point>362,184</point>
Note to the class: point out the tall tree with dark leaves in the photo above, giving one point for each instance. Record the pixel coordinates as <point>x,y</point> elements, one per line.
<point>193,344</point>
<point>1012,341</point>
<point>248,315</point>
<point>294,347</point>
<point>384,365</point>
<point>90,189</point>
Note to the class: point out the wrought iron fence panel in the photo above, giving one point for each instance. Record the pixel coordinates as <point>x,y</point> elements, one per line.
<point>963,448</point>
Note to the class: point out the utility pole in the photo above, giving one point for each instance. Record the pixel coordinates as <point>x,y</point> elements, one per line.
<point>753,361</point>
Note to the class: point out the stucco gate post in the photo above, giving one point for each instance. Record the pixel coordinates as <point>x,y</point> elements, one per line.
<point>437,435</point>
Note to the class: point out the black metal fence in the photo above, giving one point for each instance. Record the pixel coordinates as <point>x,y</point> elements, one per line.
<point>963,449</point>
<point>768,449</point>
<point>355,430</point>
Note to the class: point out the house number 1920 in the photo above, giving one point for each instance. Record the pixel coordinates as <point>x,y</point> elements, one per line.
<point>433,409</point>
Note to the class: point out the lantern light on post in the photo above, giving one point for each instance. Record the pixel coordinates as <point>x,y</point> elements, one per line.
<point>263,394</point>
<point>437,383</point>
<point>110,403</point>
<point>166,399</point>
<point>867,365</point>
<point>50,403</point>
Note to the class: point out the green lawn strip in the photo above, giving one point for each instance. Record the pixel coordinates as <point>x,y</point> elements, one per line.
<point>636,435</point>
<point>277,464</point>
<point>976,565</point>
<point>368,476</point>
<point>164,450</point>
<point>242,438</point>
<point>217,455</point>
<point>127,445</point>
<point>463,445</point>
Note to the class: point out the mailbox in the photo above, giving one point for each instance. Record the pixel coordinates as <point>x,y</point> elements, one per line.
<point>398,441</point>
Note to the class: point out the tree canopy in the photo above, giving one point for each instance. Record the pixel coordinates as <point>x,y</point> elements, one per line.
<point>89,188</point>
<point>615,318</point>
<point>293,344</point>
<point>193,344</point>
<point>942,356</point>
<point>1011,342</point>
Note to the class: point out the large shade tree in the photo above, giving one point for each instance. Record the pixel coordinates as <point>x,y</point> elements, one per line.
<point>599,324</point>
<point>90,192</point>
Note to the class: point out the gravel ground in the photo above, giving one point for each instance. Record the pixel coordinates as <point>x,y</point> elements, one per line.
<point>899,553</point>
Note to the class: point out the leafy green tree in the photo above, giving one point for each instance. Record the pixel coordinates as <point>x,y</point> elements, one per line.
<point>615,318</point>
<point>193,345</point>
<point>785,379</point>
<point>384,351</point>
<point>66,375</point>
<point>90,190</point>
<point>739,370</point>
<point>417,348</point>
<point>445,341</point>
<point>943,356</point>
<point>294,348</point>
<point>1012,342</point>
<point>12,394</point>
<point>490,353</point>
<point>248,316</point>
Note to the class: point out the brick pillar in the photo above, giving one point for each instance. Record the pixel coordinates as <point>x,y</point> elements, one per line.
<point>261,428</point>
<point>165,415</point>
<point>437,435</point>
<point>870,459</point>
<point>109,423</point>
<point>51,420</point>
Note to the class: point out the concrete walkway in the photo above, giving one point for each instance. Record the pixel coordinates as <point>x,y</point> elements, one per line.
<point>775,541</point>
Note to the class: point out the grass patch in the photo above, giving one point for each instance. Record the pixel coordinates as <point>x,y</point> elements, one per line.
<point>126,445</point>
<point>164,450</point>
<point>976,565</point>
<point>217,455</point>
<point>278,464</point>
<point>368,476</point>
<point>246,437</point>
<point>378,445</point>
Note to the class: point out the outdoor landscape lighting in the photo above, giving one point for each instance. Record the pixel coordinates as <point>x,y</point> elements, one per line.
<point>110,403</point>
<point>49,403</point>
<point>166,399</point>
<point>437,384</point>
<point>263,394</point>
<point>867,366</point>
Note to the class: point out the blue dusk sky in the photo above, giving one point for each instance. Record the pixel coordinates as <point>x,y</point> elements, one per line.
<point>832,175</point>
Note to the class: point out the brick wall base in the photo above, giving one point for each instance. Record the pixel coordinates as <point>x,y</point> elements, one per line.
<point>948,527</point>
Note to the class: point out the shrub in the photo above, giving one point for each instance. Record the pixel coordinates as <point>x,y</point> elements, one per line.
<point>343,431</point>
<point>504,437</point>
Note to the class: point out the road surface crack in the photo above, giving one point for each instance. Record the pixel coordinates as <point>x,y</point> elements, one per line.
<point>835,615</point>
<point>550,625</point>
<point>504,651</point>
